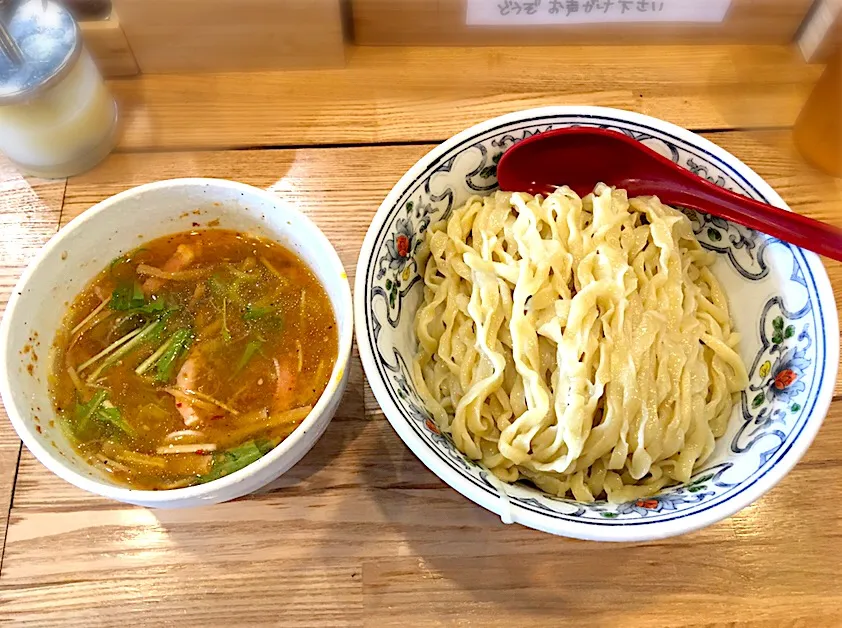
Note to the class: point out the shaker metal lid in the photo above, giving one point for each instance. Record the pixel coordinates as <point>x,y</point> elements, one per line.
<point>49,42</point>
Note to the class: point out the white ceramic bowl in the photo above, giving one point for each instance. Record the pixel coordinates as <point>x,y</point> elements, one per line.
<point>780,297</point>
<point>111,228</point>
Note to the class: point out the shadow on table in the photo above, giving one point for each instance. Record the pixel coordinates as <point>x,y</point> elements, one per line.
<point>458,560</point>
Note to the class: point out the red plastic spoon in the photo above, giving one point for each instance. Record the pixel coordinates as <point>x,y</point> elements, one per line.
<point>581,157</point>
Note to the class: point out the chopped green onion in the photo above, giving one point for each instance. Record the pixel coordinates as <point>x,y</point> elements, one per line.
<point>127,296</point>
<point>99,409</point>
<point>227,462</point>
<point>216,285</point>
<point>252,347</point>
<point>266,315</point>
<point>81,427</point>
<point>264,445</point>
<point>130,297</point>
<point>156,305</point>
<point>84,411</point>
<point>178,345</point>
<point>108,413</point>
<point>124,260</point>
<point>224,287</point>
<point>163,317</point>
<point>254,313</point>
<point>116,262</point>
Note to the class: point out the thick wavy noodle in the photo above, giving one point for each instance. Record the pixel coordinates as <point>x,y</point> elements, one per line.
<point>581,343</point>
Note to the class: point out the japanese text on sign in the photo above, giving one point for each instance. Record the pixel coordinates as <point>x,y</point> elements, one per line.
<point>537,12</point>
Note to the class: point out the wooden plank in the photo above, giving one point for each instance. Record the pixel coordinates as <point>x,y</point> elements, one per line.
<point>321,592</point>
<point>29,214</point>
<point>360,533</point>
<point>443,23</point>
<point>107,44</point>
<point>579,584</point>
<point>429,94</point>
<point>330,536</point>
<point>233,35</point>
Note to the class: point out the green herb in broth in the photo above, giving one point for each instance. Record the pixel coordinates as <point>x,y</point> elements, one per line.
<point>226,286</point>
<point>152,307</point>
<point>236,458</point>
<point>207,359</point>
<point>108,413</point>
<point>217,286</point>
<point>161,330</point>
<point>176,347</point>
<point>127,296</point>
<point>98,410</point>
<point>252,347</point>
<point>83,412</point>
<point>254,313</point>
<point>124,259</point>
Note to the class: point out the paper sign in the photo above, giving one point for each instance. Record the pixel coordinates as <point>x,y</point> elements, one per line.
<point>543,12</point>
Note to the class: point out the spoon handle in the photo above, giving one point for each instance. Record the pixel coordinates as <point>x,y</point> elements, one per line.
<point>788,226</point>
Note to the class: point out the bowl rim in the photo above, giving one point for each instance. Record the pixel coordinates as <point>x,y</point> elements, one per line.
<point>200,492</point>
<point>646,530</point>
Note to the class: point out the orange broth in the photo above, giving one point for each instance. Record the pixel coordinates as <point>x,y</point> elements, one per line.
<point>191,357</point>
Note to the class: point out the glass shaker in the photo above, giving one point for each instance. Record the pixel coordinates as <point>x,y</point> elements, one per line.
<point>57,118</point>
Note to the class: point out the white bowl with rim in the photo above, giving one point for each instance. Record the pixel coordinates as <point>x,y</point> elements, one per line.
<point>79,251</point>
<point>781,302</point>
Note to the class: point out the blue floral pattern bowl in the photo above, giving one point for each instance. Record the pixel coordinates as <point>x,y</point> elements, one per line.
<point>780,298</point>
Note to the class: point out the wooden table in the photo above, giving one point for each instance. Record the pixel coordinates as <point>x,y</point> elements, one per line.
<point>359,532</point>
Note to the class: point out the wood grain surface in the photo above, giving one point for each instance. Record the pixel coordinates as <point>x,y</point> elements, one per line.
<point>107,44</point>
<point>359,533</point>
<point>30,210</point>
<point>428,94</point>
<point>233,35</point>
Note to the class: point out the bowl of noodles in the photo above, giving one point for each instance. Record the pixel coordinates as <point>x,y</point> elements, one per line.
<point>599,367</point>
